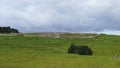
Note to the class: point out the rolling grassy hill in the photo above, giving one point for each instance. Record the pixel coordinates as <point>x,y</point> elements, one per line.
<point>45,52</point>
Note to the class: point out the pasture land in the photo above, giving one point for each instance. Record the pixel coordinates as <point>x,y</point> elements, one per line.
<point>41,52</point>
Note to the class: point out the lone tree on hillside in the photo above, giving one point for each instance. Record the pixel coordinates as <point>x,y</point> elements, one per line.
<point>81,50</point>
<point>8,30</point>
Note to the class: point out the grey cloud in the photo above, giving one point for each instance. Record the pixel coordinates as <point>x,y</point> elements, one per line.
<point>61,15</point>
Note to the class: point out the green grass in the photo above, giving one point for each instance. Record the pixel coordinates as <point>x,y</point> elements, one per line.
<point>39,52</point>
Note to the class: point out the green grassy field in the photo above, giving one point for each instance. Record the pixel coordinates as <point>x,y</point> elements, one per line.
<point>38,52</point>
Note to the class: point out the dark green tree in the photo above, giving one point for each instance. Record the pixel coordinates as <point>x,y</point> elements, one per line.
<point>84,50</point>
<point>72,49</point>
<point>81,50</point>
<point>8,30</point>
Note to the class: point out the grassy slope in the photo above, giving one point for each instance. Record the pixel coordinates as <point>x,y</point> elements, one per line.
<point>37,52</point>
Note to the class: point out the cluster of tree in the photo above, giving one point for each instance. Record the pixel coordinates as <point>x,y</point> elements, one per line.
<point>8,30</point>
<point>81,50</point>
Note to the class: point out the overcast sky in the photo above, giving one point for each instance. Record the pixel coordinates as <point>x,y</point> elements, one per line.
<point>61,15</point>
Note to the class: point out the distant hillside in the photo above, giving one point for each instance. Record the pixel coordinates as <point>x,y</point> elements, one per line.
<point>63,35</point>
